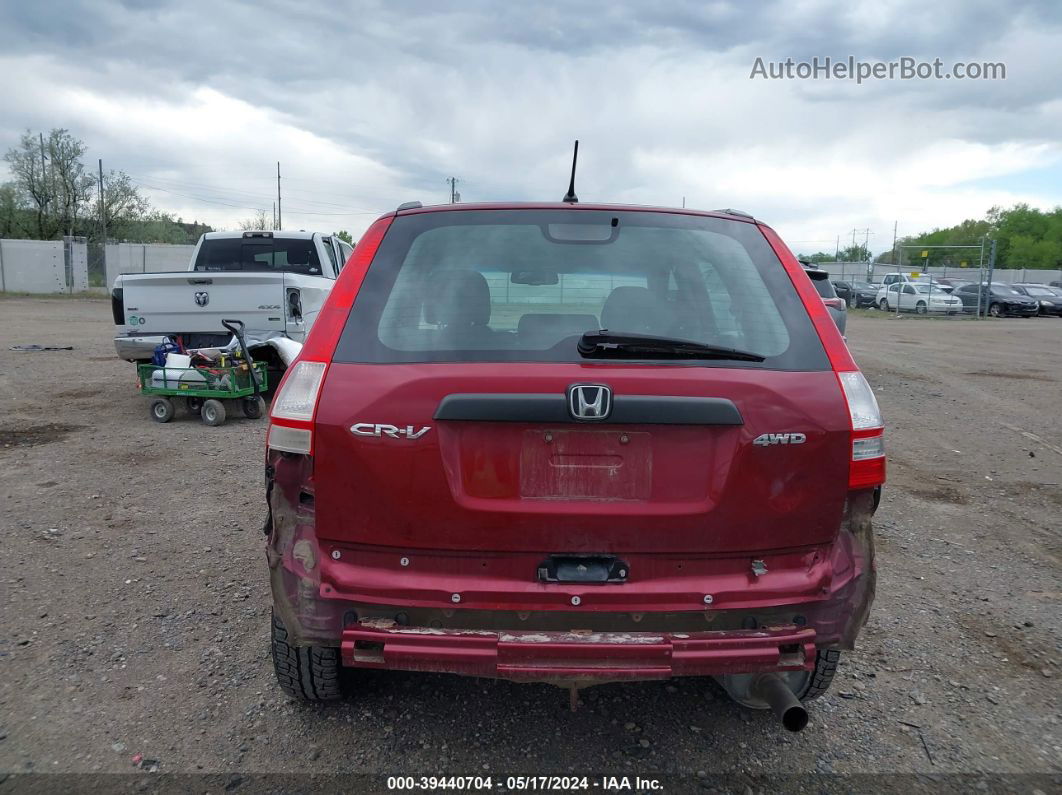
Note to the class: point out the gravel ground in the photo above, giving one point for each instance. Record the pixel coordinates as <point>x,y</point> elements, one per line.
<point>136,603</point>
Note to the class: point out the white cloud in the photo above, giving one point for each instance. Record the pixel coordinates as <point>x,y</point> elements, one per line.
<point>378,105</point>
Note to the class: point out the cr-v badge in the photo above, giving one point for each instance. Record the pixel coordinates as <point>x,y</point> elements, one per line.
<point>765,439</point>
<point>393,431</point>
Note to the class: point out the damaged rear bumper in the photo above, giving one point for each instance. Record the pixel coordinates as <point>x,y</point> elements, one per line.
<point>572,657</point>
<point>489,614</point>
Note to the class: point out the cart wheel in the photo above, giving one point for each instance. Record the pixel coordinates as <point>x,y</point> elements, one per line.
<point>194,405</point>
<point>162,409</point>
<point>253,407</point>
<point>213,412</point>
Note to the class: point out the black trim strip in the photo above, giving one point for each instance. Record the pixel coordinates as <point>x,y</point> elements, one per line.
<point>626,409</point>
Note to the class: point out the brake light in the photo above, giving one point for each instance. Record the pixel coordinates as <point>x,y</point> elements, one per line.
<point>294,407</point>
<point>866,468</point>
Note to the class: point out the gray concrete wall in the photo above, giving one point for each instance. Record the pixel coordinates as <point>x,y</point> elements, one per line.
<point>43,266</point>
<point>145,258</point>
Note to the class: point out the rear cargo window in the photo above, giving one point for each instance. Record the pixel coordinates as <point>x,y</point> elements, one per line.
<point>524,285</point>
<point>258,254</point>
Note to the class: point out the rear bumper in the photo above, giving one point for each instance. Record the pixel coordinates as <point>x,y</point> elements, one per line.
<point>137,348</point>
<point>578,656</point>
<point>489,614</point>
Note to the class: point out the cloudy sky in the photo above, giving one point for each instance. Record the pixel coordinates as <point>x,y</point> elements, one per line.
<point>369,104</point>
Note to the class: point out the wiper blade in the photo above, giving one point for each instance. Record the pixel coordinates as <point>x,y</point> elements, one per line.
<point>607,344</point>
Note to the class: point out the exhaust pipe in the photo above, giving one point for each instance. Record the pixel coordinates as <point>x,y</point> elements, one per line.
<point>773,690</point>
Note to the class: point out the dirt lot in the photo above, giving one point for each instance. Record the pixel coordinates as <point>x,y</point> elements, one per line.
<point>135,604</point>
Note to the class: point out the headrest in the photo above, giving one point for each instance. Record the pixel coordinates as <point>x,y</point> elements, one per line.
<point>456,298</point>
<point>634,309</point>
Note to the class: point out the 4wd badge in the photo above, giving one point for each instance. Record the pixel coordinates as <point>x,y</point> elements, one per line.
<point>766,439</point>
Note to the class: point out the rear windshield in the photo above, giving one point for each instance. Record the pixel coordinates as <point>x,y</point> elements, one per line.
<point>524,285</point>
<point>258,254</point>
<point>824,287</point>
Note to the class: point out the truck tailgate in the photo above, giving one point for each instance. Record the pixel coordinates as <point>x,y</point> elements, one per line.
<point>188,301</point>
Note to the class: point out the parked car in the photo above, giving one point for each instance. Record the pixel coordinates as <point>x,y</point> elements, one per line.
<point>1048,298</point>
<point>941,284</point>
<point>856,294</point>
<point>948,284</point>
<point>1001,300</point>
<point>1055,284</point>
<point>274,282</point>
<point>820,280</point>
<point>916,297</point>
<point>573,444</point>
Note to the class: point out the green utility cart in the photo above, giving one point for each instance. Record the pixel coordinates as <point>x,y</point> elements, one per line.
<point>206,390</point>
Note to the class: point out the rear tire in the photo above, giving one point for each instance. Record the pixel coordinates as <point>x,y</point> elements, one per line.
<point>920,308</point>
<point>308,673</point>
<point>826,662</point>
<point>995,311</point>
<point>213,412</point>
<point>194,405</point>
<point>162,409</point>
<point>883,305</point>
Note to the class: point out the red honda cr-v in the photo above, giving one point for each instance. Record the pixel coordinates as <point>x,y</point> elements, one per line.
<point>573,444</point>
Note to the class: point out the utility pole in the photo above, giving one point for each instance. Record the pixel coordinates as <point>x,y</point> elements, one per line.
<point>837,251</point>
<point>453,189</point>
<point>274,215</point>
<point>279,224</point>
<point>44,173</point>
<point>103,215</point>
<point>991,268</point>
<point>895,260</point>
<point>683,202</point>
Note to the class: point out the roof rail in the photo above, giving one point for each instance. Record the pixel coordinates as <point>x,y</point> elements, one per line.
<point>742,213</point>
<point>409,206</point>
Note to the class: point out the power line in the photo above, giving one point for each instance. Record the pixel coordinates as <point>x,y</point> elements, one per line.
<point>218,201</point>
<point>239,195</point>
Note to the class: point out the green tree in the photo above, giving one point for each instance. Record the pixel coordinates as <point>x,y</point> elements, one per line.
<point>344,235</point>
<point>16,217</point>
<point>27,164</point>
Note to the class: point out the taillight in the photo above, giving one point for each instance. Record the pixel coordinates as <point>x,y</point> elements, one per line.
<point>291,429</point>
<point>867,464</point>
<point>836,303</point>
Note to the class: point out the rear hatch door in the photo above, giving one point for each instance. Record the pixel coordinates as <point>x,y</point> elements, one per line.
<point>391,472</point>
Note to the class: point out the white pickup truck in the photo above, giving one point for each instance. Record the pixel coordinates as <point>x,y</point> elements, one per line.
<point>275,282</point>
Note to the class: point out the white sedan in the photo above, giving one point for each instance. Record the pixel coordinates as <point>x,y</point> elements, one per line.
<point>920,298</point>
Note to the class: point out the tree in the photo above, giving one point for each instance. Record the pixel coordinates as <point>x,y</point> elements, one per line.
<point>27,164</point>
<point>71,186</point>
<point>344,235</point>
<point>257,221</point>
<point>856,253</point>
<point>15,214</point>
<point>1026,237</point>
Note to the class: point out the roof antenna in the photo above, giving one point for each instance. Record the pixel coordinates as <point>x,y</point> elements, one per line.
<point>570,197</point>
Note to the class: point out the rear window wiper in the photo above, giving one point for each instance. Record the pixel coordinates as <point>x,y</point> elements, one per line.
<point>608,344</point>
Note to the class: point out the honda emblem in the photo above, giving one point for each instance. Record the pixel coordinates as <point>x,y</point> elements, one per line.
<point>589,401</point>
